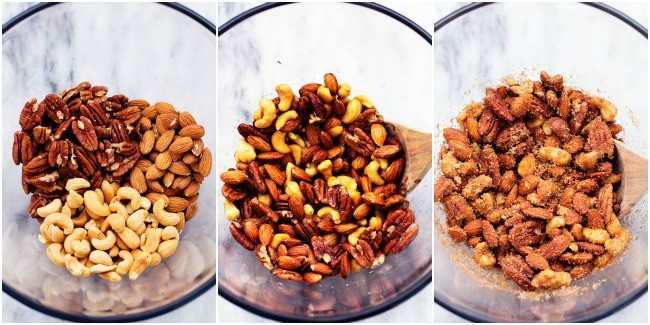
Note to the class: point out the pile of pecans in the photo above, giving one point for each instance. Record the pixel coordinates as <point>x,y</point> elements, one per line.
<point>316,188</point>
<point>529,182</point>
<point>109,144</point>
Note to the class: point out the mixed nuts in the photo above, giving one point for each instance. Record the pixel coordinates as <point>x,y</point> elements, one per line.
<point>315,191</point>
<point>83,152</point>
<point>528,182</point>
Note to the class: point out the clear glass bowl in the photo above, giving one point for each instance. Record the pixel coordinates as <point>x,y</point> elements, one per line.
<point>147,50</point>
<point>595,51</point>
<point>290,44</point>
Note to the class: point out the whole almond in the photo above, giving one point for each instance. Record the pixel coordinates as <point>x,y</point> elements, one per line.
<point>321,268</point>
<point>331,83</point>
<point>179,168</point>
<point>177,204</point>
<point>164,140</point>
<point>181,182</point>
<point>191,210</point>
<point>137,180</point>
<point>233,177</point>
<point>185,119</point>
<point>266,234</point>
<point>258,143</point>
<point>150,112</point>
<point>147,142</point>
<point>191,189</point>
<point>251,231</point>
<point>288,263</point>
<point>275,174</point>
<point>394,170</point>
<point>163,108</point>
<point>193,131</point>
<point>181,144</point>
<point>163,160</point>
<point>155,186</point>
<point>197,147</point>
<point>205,164</point>
<point>154,197</point>
<point>143,164</point>
<point>387,151</point>
<point>168,179</point>
<point>378,134</point>
<point>168,120</point>
<point>359,162</point>
<point>154,173</point>
<point>311,277</point>
<point>189,158</point>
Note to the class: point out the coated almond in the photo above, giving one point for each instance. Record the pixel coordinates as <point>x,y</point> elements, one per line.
<point>181,144</point>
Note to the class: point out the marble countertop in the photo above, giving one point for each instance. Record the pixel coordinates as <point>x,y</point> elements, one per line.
<point>415,309</point>
<point>200,309</point>
<point>638,310</point>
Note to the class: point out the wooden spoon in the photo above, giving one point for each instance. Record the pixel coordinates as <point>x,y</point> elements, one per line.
<point>634,176</point>
<point>417,150</point>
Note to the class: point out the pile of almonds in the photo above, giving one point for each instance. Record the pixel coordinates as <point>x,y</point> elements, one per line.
<point>529,182</point>
<point>316,189</point>
<point>84,134</point>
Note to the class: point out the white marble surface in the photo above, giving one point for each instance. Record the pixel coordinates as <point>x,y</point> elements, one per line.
<point>289,55</point>
<point>127,49</point>
<point>505,57</point>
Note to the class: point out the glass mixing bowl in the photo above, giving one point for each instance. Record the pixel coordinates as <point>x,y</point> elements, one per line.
<point>296,44</point>
<point>595,51</point>
<point>147,50</point>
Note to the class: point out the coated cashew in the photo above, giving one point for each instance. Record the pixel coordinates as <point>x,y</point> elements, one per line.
<point>150,240</point>
<point>136,219</point>
<point>93,204</point>
<point>278,142</point>
<point>131,194</point>
<point>165,218</point>
<point>75,184</point>
<point>124,266</point>
<point>330,212</point>
<point>371,171</point>
<point>267,112</point>
<point>54,206</point>
<point>115,222</point>
<point>245,153</point>
<point>282,119</point>
<point>352,111</point>
<point>286,97</point>
<point>231,210</point>
<point>325,94</point>
<point>104,242</point>
<point>56,254</point>
<point>100,257</point>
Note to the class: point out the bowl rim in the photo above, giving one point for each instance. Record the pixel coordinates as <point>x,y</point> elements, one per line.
<point>418,286</point>
<point>6,288</point>
<point>642,290</point>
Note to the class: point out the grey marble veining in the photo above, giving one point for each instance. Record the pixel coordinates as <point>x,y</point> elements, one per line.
<point>255,60</point>
<point>143,50</point>
<point>593,50</point>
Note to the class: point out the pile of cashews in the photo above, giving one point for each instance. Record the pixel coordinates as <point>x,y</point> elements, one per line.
<point>97,233</point>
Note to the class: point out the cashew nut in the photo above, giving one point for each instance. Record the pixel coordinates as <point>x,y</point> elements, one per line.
<point>115,222</point>
<point>113,251</point>
<point>59,220</point>
<point>278,238</point>
<point>93,204</point>
<point>136,219</point>
<point>344,90</point>
<point>111,276</point>
<point>265,198</point>
<point>131,194</point>
<point>66,210</point>
<point>129,238</point>
<point>76,243</point>
<point>231,210</point>
<point>140,263</point>
<point>288,174</point>
<point>165,218</point>
<point>75,184</point>
<point>74,200</point>
<point>245,153</point>
<point>330,212</point>
<point>353,238</point>
<point>108,190</point>
<point>292,188</point>
<point>167,248</point>
<point>100,268</point>
<point>364,100</point>
<point>124,266</point>
<point>104,242</point>
<point>100,257</point>
<point>54,206</point>
<point>372,172</point>
<point>325,94</point>
<point>169,233</point>
<point>286,116</point>
<point>278,142</point>
<point>81,219</point>
<point>286,97</point>
<point>296,153</point>
<point>352,111</point>
<point>309,210</point>
<point>75,267</point>
<point>155,258</point>
<point>296,139</point>
<point>117,207</point>
<point>150,239</point>
<point>56,254</point>
<point>311,169</point>
<point>267,112</point>
<point>145,203</point>
<point>325,168</point>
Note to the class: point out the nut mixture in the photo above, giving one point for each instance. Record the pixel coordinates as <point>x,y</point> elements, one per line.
<point>83,152</point>
<point>529,182</point>
<point>316,188</point>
